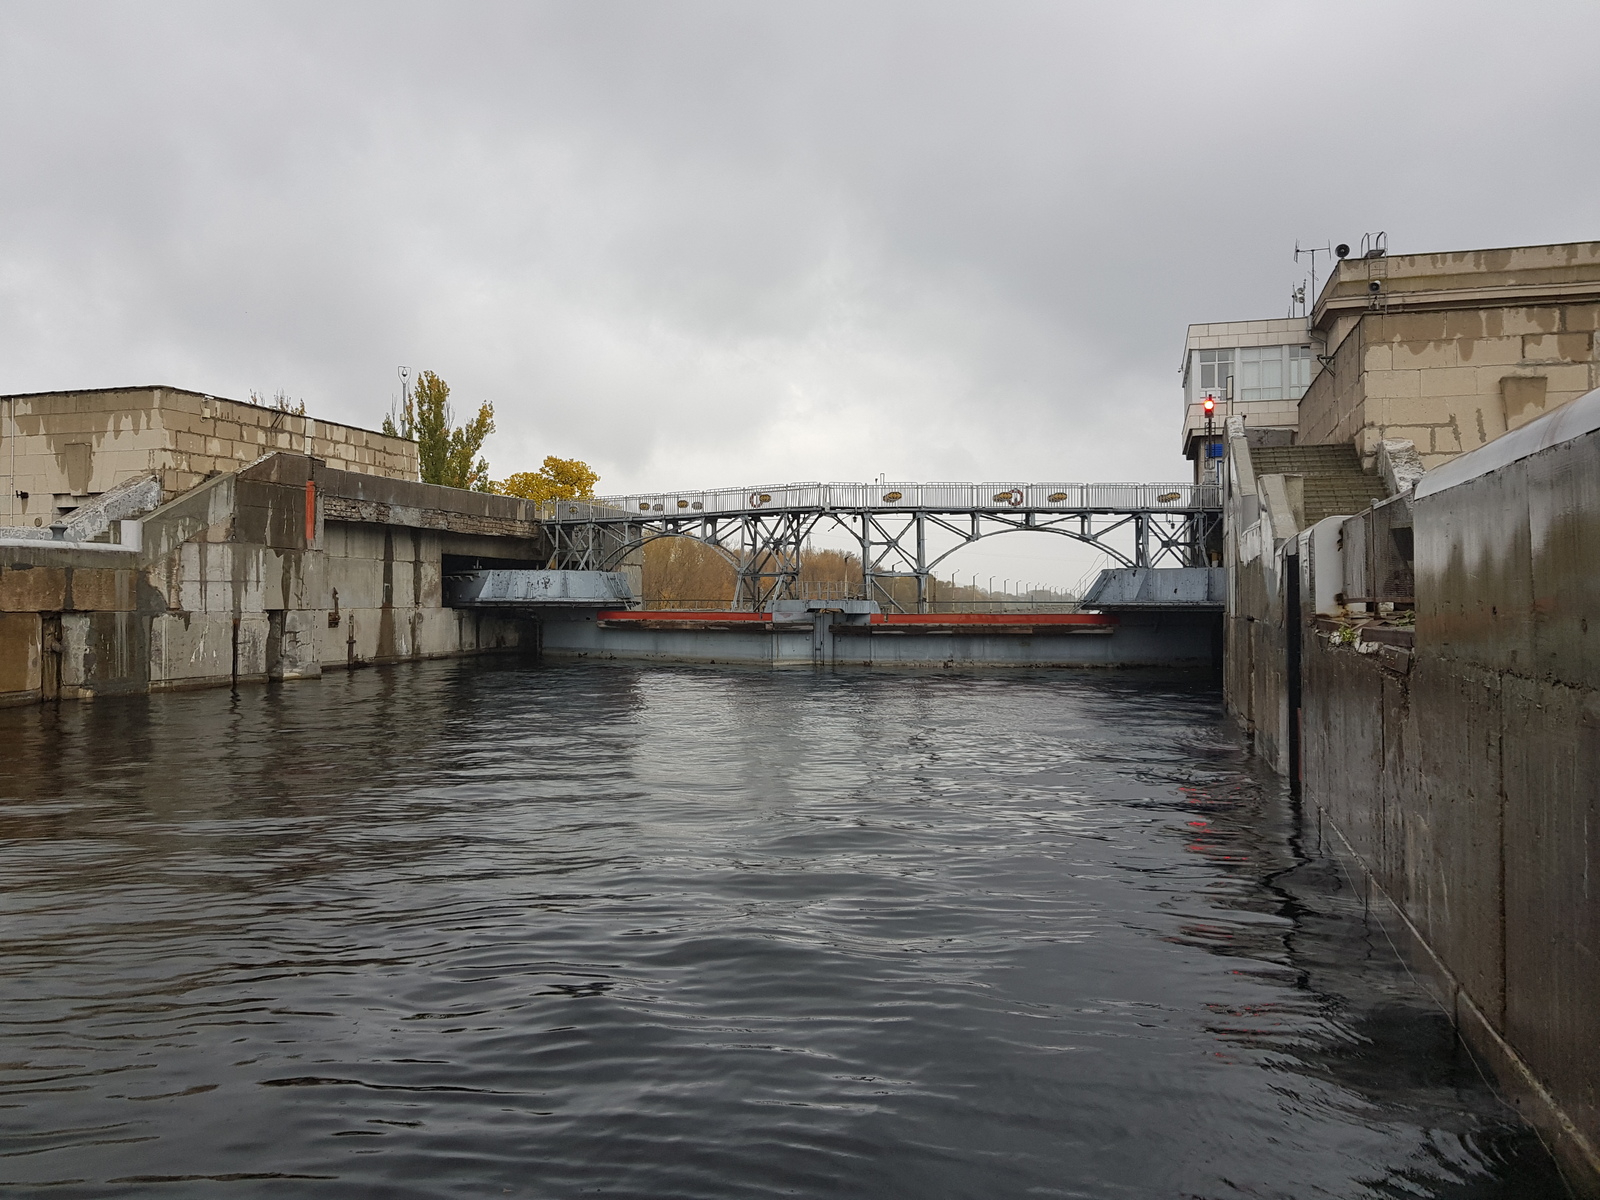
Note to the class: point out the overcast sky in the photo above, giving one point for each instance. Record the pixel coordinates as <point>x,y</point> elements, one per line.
<point>725,243</point>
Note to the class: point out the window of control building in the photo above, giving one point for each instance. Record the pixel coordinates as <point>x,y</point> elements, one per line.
<point>1260,375</point>
<point>1214,368</point>
<point>1260,372</point>
<point>1299,371</point>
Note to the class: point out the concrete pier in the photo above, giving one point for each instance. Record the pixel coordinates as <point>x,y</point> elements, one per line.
<point>280,570</point>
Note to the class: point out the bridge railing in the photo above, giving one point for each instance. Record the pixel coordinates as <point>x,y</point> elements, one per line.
<point>999,496</point>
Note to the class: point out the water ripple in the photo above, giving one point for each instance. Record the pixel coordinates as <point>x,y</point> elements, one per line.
<point>482,928</point>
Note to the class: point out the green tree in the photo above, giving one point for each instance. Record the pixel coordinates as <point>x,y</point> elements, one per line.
<point>558,479</point>
<point>280,401</point>
<point>448,454</point>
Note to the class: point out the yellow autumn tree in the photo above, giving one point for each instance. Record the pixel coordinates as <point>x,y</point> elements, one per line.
<point>557,479</point>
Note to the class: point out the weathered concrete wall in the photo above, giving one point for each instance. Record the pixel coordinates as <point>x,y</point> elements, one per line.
<point>1452,350</point>
<point>232,583</point>
<point>70,446</point>
<point>55,601</point>
<point>1258,524</point>
<point>1463,774</point>
<point>1255,657</point>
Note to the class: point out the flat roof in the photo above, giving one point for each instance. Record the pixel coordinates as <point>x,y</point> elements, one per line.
<point>167,387</point>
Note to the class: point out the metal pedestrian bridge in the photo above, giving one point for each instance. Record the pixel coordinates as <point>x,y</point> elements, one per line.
<point>763,530</point>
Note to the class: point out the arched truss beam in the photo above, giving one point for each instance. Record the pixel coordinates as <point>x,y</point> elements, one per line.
<point>658,535</point>
<point>1110,551</point>
<point>765,547</point>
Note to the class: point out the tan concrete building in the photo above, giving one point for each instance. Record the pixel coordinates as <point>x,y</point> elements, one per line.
<point>1449,351</point>
<point>59,450</point>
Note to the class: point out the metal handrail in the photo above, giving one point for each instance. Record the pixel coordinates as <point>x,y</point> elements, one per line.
<point>895,497</point>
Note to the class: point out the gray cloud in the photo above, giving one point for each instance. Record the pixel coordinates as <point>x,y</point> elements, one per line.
<point>722,243</point>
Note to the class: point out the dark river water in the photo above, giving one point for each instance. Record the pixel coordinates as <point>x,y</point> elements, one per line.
<point>501,929</point>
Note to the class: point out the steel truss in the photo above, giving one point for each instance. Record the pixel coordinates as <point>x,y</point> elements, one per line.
<point>1171,527</point>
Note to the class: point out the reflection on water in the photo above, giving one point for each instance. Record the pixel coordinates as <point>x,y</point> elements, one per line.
<point>478,929</point>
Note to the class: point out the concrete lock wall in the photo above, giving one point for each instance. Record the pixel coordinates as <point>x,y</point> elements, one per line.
<point>1462,773</point>
<point>1255,639</point>
<point>69,447</point>
<point>229,583</point>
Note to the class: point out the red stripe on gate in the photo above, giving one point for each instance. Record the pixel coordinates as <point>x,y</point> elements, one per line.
<point>1012,618</point>
<point>311,512</point>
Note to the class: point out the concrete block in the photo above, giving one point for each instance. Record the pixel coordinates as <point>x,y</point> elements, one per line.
<point>1490,351</point>
<point>1569,377</point>
<point>1523,398</point>
<point>1552,920</point>
<point>439,631</point>
<point>1393,384</point>
<point>1424,356</point>
<point>294,644</point>
<point>1501,322</point>
<point>1580,318</point>
<point>1425,411</point>
<point>1397,326</point>
<point>1417,435</point>
<point>359,582</point>
<point>330,639</point>
<point>1401,780</point>
<point>430,584</point>
<point>1562,487</point>
<point>103,590</point>
<point>251,644</point>
<point>1449,381</point>
<point>1558,347</point>
<point>1454,881</point>
<point>215,561</point>
<point>190,650</point>
<point>105,653</point>
<point>364,541</point>
<point>333,539</point>
<point>1343,741</point>
<point>19,655</point>
<point>33,589</point>
<point>363,625</point>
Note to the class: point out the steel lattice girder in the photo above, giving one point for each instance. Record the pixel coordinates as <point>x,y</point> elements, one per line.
<point>765,544</point>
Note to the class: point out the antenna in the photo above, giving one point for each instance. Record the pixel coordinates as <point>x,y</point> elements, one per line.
<point>1313,251</point>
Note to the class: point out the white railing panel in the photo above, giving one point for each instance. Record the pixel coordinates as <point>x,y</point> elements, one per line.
<point>994,496</point>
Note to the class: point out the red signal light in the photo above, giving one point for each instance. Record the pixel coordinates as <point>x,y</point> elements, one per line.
<point>1210,406</point>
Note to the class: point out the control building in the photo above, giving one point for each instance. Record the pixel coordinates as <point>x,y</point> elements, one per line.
<point>1256,370</point>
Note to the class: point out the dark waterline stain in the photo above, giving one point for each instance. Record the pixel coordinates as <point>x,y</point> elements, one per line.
<point>701,933</point>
